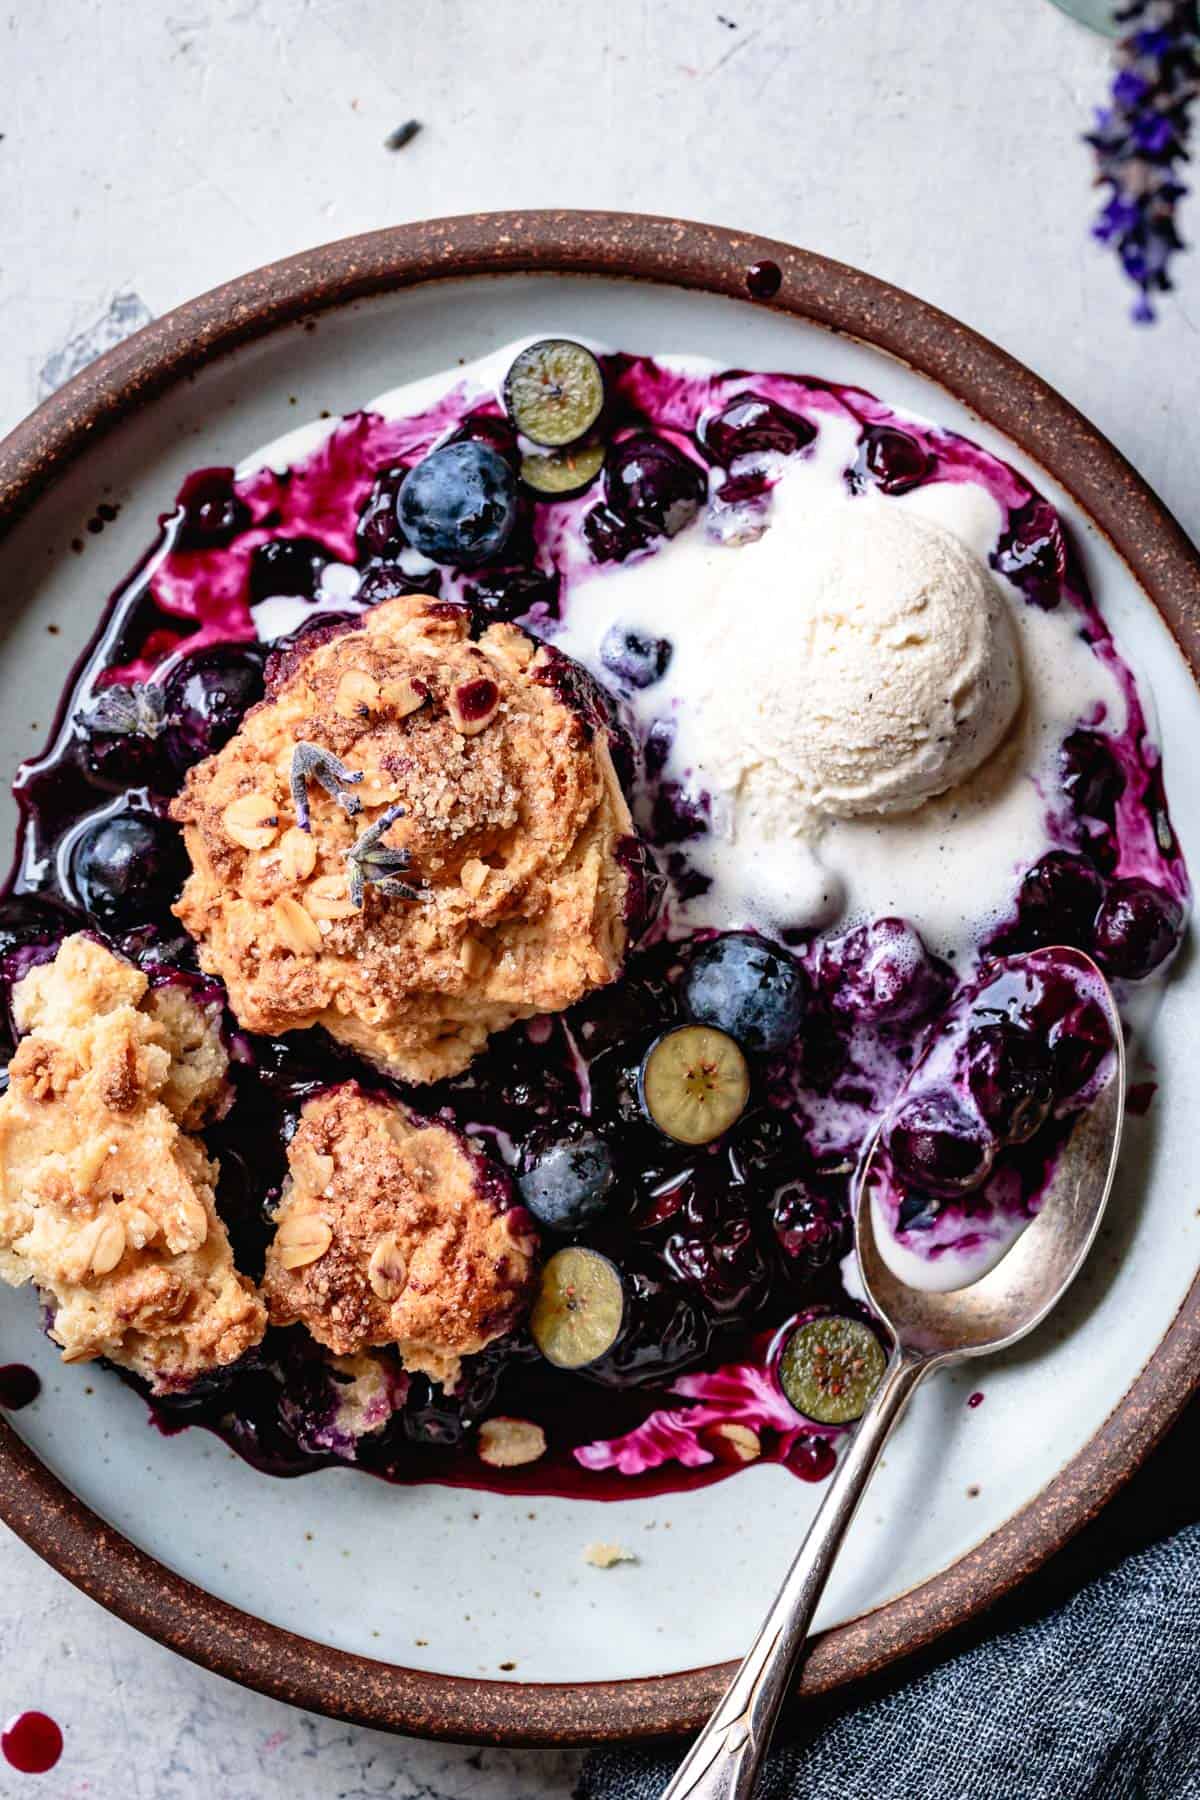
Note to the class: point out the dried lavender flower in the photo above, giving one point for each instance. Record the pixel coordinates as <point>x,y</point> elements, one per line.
<point>136,710</point>
<point>311,763</point>
<point>373,861</point>
<point>1140,140</point>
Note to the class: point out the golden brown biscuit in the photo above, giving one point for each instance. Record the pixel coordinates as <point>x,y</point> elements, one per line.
<point>511,824</point>
<point>392,1230</point>
<point>105,1202</point>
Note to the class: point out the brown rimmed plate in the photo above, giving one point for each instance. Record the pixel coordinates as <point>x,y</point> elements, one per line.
<point>211,382</point>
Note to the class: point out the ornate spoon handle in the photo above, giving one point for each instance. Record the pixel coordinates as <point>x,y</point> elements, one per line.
<point>723,1762</point>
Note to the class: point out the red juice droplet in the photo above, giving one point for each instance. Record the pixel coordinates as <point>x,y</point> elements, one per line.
<point>763,280</point>
<point>975,1399</point>
<point>19,1386</point>
<point>812,1458</point>
<point>32,1743</point>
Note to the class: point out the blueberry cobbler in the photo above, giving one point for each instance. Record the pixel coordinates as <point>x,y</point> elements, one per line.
<point>504,856</point>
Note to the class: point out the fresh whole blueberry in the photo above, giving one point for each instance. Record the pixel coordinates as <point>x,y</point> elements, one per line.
<point>566,1176</point>
<point>938,1145</point>
<point>213,511</point>
<point>1138,927</point>
<point>1058,901</point>
<point>1092,778</point>
<point>893,460</point>
<point>635,658</point>
<point>647,480</point>
<point>1008,1074</point>
<point>287,565</point>
<point>881,972</point>
<point>207,695</point>
<point>748,988</point>
<point>459,504</point>
<point>750,426</point>
<point>128,868</point>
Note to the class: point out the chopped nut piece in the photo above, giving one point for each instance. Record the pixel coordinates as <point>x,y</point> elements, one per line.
<point>606,1556</point>
<point>357,693</point>
<point>251,821</point>
<point>474,957</point>
<point>473,875</point>
<point>473,704</point>
<point>302,1238</point>
<point>387,1270</point>
<point>296,926</point>
<point>735,1443</point>
<point>311,1169</point>
<point>404,696</point>
<point>508,1443</point>
<point>108,1245</point>
<point>297,854</point>
<point>329,898</point>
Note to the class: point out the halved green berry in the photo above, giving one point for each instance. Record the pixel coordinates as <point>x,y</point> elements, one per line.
<point>694,1083</point>
<point>561,474</point>
<point>830,1368</point>
<point>580,1308</point>
<point>554,392</point>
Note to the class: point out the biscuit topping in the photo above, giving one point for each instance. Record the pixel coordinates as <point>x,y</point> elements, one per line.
<point>391,1231</point>
<point>478,884</point>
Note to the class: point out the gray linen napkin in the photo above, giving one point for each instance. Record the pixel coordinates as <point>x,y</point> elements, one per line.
<point>1098,1699</point>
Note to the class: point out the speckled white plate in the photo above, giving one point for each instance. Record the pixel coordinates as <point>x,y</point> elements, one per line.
<point>478,1586</point>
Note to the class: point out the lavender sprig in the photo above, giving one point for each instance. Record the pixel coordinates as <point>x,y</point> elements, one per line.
<point>373,861</point>
<point>136,710</point>
<point>311,763</point>
<point>1141,139</point>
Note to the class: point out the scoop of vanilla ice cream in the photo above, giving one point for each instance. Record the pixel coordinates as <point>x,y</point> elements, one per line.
<point>891,673</point>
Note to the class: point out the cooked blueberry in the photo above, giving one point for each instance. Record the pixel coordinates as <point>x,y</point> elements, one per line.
<point>893,460</point>
<point>677,816</point>
<point>1092,777</point>
<point>289,566</point>
<point>28,922</point>
<point>287,652</point>
<point>812,1229</point>
<point>459,504</point>
<point>492,430</point>
<point>1138,927</point>
<point>749,426</point>
<point>645,885</point>
<point>635,658</point>
<point>554,392</point>
<point>1008,1073</point>
<point>213,511</point>
<point>1033,552</point>
<point>389,581</point>
<point>1078,1043</point>
<point>207,695</point>
<point>662,1330</point>
<point>766,1148</point>
<point>128,868</point>
<point>748,988</point>
<point>378,532</point>
<point>566,1176</point>
<point>723,1265</point>
<point>657,749</point>
<point>938,1145</point>
<point>611,538</point>
<point>1058,901</point>
<point>650,482</point>
<point>512,593</point>
<point>881,972</point>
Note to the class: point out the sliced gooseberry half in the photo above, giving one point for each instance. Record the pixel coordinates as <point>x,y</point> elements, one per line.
<point>562,474</point>
<point>554,392</point>
<point>694,1083</point>
<point>580,1308</point>
<point>830,1367</point>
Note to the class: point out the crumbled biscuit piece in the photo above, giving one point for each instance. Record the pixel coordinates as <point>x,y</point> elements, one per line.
<point>607,1556</point>
<point>392,1231</point>
<point>512,818</point>
<point>106,1204</point>
<point>510,1443</point>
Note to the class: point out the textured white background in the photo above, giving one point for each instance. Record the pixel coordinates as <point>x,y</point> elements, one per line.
<point>156,147</point>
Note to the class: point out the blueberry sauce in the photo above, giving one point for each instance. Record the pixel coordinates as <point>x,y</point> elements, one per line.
<point>19,1386</point>
<point>32,1743</point>
<point>727,1245</point>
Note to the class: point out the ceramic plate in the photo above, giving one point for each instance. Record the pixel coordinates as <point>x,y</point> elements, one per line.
<point>447,1612</point>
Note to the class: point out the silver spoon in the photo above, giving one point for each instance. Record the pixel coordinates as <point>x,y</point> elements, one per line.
<point>930,1331</point>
